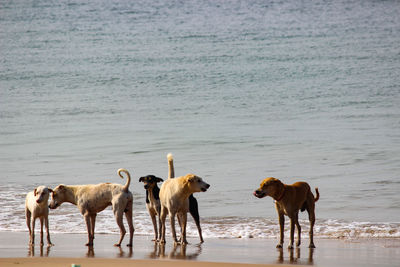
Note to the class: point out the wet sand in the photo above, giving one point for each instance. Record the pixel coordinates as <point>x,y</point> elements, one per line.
<point>69,249</point>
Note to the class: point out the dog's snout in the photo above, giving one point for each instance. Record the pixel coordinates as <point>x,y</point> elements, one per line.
<point>53,205</point>
<point>259,194</point>
<point>146,186</point>
<point>205,186</point>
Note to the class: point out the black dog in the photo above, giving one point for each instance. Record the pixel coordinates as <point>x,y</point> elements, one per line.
<point>154,207</point>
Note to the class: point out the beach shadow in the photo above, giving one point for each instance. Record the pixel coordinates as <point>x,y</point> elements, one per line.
<point>43,253</point>
<point>295,256</point>
<point>177,252</point>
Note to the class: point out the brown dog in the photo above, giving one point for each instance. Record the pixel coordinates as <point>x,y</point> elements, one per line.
<point>289,199</point>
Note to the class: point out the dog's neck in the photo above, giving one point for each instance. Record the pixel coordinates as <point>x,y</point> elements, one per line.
<point>71,196</point>
<point>152,194</point>
<point>185,192</point>
<point>282,194</point>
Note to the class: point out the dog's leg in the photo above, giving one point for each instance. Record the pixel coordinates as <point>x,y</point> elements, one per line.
<point>158,215</point>
<point>183,221</point>
<point>159,227</point>
<point>41,230</point>
<point>33,219</point>
<point>46,221</point>
<point>28,223</point>
<point>89,229</point>
<point>128,215</point>
<point>180,226</point>
<point>298,230</point>
<point>92,224</point>
<point>311,216</point>
<point>281,218</point>
<point>292,228</point>
<point>119,218</point>
<point>162,218</point>
<point>172,222</point>
<point>154,220</point>
<point>282,230</point>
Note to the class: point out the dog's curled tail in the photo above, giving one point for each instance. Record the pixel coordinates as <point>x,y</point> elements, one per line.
<point>128,182</point>
<point>317,197</point>
<point>171,171</point>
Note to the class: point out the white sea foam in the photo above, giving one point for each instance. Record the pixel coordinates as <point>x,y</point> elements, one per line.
<point>67,219</point>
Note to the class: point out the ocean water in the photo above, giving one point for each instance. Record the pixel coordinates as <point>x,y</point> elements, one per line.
<point>236,90</point>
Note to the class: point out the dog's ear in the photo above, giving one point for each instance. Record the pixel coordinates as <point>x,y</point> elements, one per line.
<point>191,178</point>
<point>61,187</point>
<point>35,192</point>
<point>50,190</point>
<point>141,179</point>
<point>158,180</point>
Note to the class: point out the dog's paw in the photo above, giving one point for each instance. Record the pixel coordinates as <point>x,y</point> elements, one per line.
<point>279,246</point>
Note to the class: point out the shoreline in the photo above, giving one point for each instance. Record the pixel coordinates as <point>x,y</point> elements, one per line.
<point>70,248</point>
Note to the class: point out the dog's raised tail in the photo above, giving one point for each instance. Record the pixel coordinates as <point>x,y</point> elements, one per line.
<point>317,197</point>
<point>128,182</point>
<point>171,171</point>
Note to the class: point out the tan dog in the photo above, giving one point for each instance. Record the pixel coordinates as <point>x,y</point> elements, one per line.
<point>174,198</point>
<point>36,206</point>
<point>92,199</point>
<point>289,199</point>
<point>193,205</point>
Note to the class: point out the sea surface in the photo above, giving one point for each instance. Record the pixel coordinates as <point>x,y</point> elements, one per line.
<point>236,90</point>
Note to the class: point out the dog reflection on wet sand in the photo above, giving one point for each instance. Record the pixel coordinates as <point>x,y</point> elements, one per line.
<point>181,254</point>
<point>31,251</point>
<point>121,253</point>
<point>295,259</point>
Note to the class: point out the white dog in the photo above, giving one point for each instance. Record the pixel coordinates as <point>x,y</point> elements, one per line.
<point>36,206</point>
<point>92,199</point>
<point>174,198</point>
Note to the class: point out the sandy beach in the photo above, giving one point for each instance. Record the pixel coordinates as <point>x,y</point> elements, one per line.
<point>69,249</point>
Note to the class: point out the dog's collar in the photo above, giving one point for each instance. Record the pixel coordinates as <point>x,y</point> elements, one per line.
<point>282,194</point>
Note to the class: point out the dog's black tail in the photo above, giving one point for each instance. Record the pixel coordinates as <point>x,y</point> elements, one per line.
<point>128,182</point>
<point>171,171</point>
